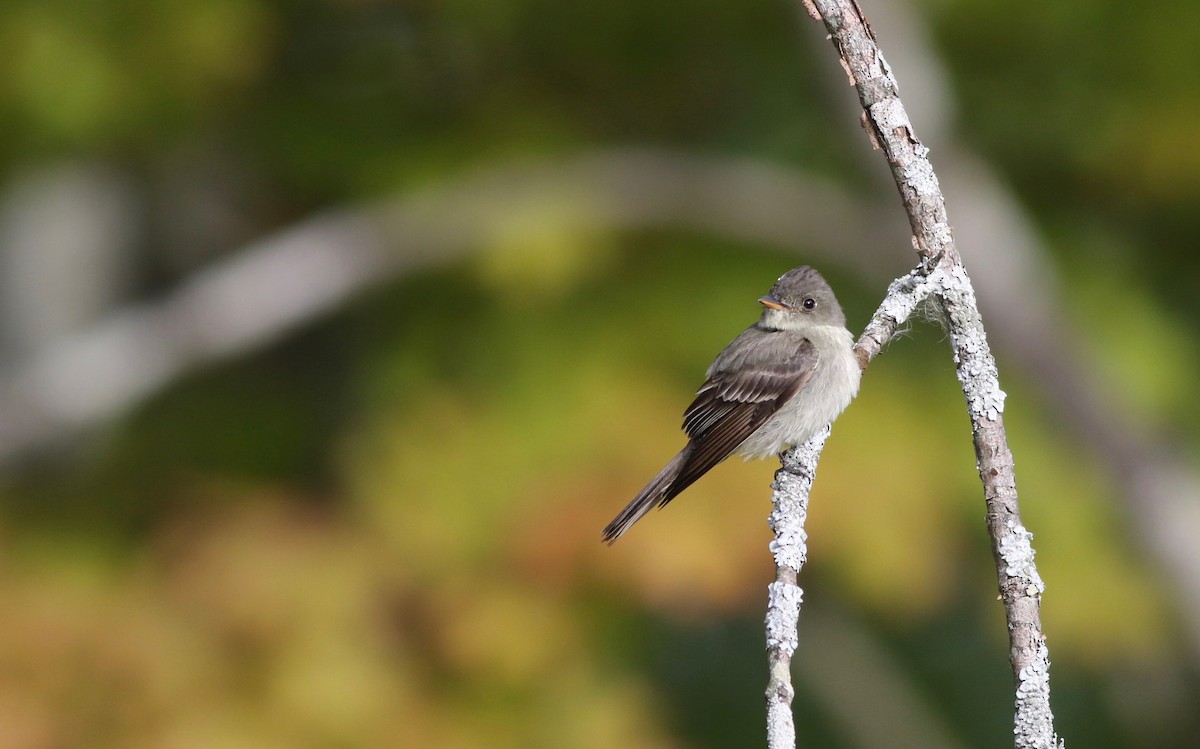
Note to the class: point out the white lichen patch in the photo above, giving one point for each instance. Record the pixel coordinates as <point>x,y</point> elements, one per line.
<point>943,235</point>
<point>1033,724</point>
<point>889,114</point>
<point>976,367</point>
<point>789,547</point>
<point>783,613</point>
<point>919,175</point>
<point>1017,553</point>
<point>790,500</point>
<point>904,295</point>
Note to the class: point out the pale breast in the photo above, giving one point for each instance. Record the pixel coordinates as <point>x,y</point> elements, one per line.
<point>833,385</point>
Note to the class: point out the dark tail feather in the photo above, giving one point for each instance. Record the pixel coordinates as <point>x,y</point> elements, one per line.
<point>658,492</point>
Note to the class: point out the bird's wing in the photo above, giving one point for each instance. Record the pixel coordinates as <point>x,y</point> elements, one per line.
<point>737,400</point>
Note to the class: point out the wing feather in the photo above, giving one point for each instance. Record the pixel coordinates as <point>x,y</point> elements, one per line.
<point>739,397</point>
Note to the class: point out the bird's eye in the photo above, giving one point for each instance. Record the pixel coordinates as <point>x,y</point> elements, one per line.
<point>809,303</point>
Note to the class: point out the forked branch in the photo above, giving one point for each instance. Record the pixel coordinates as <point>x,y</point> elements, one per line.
<point>945,277</point>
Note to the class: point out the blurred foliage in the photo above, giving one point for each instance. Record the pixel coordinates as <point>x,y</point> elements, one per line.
<point>384,530</point>
<point>1112,157</point>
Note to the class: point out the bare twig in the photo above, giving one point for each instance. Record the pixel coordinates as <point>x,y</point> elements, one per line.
<point>1020,586</point>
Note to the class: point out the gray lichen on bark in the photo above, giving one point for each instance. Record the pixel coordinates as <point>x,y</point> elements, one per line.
<point>890,130</point>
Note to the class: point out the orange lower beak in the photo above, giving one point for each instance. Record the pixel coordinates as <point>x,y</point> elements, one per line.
<point>772,302</point>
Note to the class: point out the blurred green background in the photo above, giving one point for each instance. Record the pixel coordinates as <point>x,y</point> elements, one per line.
<point>377,522</point>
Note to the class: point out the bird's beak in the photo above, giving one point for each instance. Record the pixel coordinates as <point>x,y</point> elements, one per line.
<point>772,302</point>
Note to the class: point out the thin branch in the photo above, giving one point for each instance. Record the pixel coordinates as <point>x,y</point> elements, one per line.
<point>1020,586</point>
<point>793,482</point>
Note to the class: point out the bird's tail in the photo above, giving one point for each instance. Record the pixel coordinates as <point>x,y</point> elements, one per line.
<point>658,492</point>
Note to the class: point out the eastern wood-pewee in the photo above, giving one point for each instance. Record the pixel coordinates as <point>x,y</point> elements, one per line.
<point>774,386</point>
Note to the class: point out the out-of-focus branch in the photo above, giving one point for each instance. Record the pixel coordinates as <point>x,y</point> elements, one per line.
<point>865,693</point>
<point>1020,586</point>
<point>273,286</point>
<point>230,309</point>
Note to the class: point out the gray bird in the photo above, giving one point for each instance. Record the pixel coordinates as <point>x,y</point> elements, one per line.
<point>774,386</point>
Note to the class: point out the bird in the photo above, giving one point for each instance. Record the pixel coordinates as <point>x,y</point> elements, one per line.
<point>776,385</point>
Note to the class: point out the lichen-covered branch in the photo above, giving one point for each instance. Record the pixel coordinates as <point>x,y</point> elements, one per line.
<point>904,296</point>
<point>1020,586</point>
<point>789,500</point>
<point>793,481</point>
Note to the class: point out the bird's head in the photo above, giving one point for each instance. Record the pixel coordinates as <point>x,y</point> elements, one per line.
<point>801,298</point>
